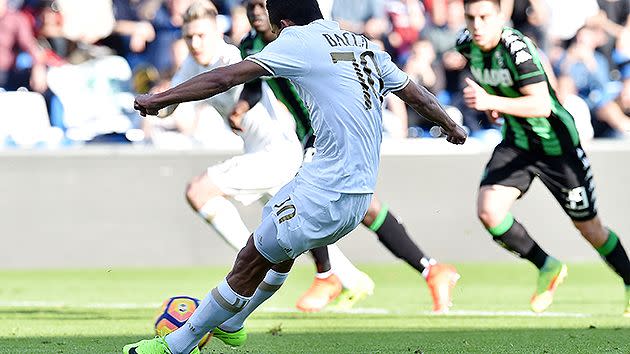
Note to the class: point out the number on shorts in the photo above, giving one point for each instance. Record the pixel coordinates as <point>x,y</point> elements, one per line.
<point>364,75</point>
<point>283,207</point>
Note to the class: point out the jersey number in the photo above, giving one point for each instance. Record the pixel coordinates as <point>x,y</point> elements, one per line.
<point>286,208</point>
<point>364,74</point>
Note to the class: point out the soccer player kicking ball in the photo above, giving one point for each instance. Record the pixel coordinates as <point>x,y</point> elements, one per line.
<point>337,279</point>
<point>342,78</point>
<point>539,139</point>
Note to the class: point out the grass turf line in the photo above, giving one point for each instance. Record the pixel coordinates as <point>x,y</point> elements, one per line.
<point>78,327</point>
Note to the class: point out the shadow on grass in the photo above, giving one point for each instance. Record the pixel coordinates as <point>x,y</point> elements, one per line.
<point>387,340</point>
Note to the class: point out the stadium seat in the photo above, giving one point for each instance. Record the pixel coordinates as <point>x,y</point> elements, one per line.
<point>24,120</point>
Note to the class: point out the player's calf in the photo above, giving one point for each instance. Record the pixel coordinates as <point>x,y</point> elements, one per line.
<point>249,270</point>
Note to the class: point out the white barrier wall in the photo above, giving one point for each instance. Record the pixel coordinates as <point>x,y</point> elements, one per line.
<point>125,206</point>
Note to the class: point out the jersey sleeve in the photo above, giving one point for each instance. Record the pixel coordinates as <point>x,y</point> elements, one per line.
<point>394,79</point>
<point>285,57</point>
<point>526,68</point>
<point>463,43</point>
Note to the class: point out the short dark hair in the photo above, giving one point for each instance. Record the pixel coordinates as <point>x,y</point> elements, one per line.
<point>497,2</point>
<point>301,12</point>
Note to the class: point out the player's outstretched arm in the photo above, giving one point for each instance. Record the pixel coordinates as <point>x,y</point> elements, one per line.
<point>535,102</point>
<point>200,87</point>
<point>423,102</point>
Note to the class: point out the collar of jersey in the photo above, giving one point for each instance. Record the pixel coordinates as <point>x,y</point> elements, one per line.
<point>326,23</point>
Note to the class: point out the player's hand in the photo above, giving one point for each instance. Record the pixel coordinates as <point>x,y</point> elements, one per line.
<point>456,135</point>
<point>476,97</point>
<point>236,117</point>
<point>493,116</point>
<point>146,105</point>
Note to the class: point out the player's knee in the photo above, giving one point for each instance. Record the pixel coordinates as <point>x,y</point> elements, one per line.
<point>284,267</point>
<point>489,216</point>
<point>198,191</point>
<point>192,195</point>
<point>372,213</point>
<point>593,231</point>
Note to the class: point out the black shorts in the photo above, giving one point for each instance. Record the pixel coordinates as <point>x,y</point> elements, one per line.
<point>568,177</point>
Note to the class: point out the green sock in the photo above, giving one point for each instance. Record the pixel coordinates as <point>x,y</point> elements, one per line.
<point>614,254</point>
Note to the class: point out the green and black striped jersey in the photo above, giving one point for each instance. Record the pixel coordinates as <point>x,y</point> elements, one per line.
<point>283,89</point>
<point>512,64</point>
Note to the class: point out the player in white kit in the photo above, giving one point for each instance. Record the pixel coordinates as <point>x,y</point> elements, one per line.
<point>273,153</point>
<point>342,78</point>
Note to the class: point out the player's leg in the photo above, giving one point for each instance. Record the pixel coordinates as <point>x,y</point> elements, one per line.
<point>608,245</point>
<point>574,189</point>
<point>231,296</point>
<point>441,278</point>
<point>232,332</point>
<point>506,178</point>
<point>224,301</point>
<point>393,235</point>
<point>244,178</point>
<point>493,208</point>
<point>210,202</point>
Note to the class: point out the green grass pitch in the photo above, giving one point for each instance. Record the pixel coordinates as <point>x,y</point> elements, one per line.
<point>98,311</point>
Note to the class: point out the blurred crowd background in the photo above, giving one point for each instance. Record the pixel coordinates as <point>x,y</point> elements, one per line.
<point>69,68</point>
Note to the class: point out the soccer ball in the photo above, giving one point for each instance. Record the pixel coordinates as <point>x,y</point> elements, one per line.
<point>174,313</point>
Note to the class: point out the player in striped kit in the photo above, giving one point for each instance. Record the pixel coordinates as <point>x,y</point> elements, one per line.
<point>540,139</point>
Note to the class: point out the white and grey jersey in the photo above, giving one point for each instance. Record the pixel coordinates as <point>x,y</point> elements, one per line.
<point>342,78</point>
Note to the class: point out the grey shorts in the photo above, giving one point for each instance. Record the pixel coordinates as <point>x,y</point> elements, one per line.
<point>301,217</point>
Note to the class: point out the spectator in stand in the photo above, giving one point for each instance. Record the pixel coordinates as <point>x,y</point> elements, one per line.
<point>585,71</point>
<point>86,21</point>
<point>424,69</point>
<point>617,11</point>
<point>361,16</point>
<point>50,32</point>
<point>443,39</point>
<point>610,19</point>
<point>529,17</point>
<point>167,22</point>
<point>437,10</point>
<point>131,33</point>
<point>240,24</point>
<point>16,32</point>
<point>622,59</point>
<point>407,20</point>
<point>566,17</point>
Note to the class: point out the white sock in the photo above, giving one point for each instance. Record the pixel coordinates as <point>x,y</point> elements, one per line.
<point>342,267</point>
<point>220,304</point>
<point>324,275</point>
<point>427,263</point>
<point>272,282</point>
<point>225,219</point>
